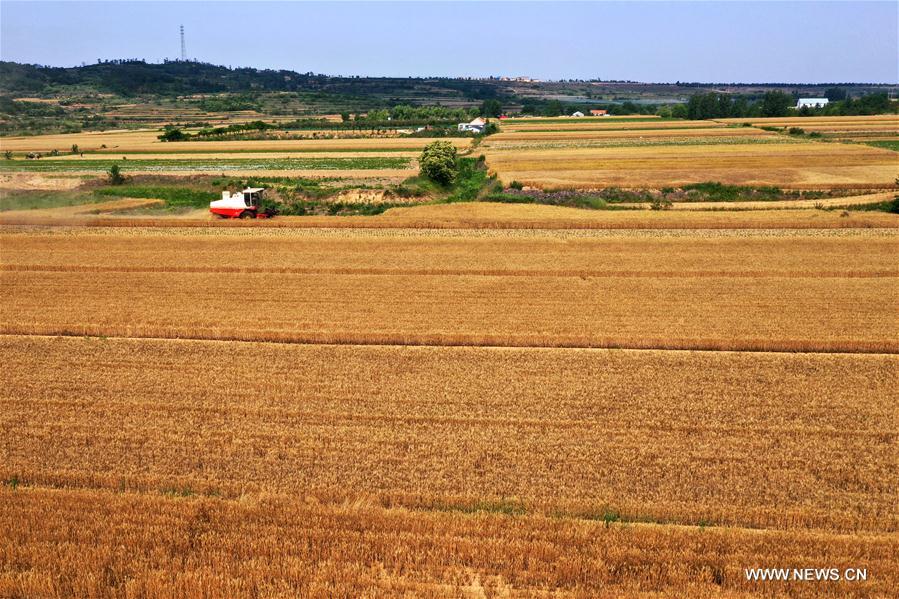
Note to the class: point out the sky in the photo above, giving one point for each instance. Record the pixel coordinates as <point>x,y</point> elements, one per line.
<point>814,42</point>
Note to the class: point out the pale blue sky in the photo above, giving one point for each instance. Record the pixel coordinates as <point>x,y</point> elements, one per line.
<point>644,41</point>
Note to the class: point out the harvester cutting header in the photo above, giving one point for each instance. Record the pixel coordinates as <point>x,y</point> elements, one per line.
<point>241,204</point>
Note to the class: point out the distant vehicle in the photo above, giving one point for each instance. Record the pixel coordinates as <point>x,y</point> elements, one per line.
<point>242,204</point>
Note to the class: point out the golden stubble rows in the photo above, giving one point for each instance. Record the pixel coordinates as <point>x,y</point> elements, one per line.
<point>807,295</point>
<point>484,219</point>
<point>649,166</point>
<point>146,140</point>
<point>68,543</point>
<point>740,439</point>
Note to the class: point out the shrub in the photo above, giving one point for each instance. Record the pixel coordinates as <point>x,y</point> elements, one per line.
<point>173,135</point>
<point>516,185</point>
<point>438,162</point>
<point>660,203</point>
<point>796,131</point>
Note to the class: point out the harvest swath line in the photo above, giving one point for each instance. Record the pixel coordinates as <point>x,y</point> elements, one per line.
<point>682,220</point>
<point>352,338</point>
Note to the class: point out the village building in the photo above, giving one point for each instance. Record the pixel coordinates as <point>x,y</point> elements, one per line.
<point>475,126</point>
<point>578,114</point>
<point>812,102</point>
<point>599,113</point>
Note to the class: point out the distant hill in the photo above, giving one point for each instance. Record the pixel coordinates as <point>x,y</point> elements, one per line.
<point>134,93</point>
<point>138,78</point>
<point>173,78</point>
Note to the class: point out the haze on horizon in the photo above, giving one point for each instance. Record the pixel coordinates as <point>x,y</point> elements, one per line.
<point>790,42</point>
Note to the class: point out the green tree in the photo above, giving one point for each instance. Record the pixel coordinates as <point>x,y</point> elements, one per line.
<point>438,162</point>
<point>74,148</point>
<point>553,108</point>
<point>172,134</point>
<point>345,116</point>
<point>115,175</point>
<point>679,111</point>
<point>776,103</point>
<point>7,154</point>
<point>491,108</point>
<point>835,94</point>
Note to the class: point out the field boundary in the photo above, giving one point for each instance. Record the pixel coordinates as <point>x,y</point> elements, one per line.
<point>435,224</point>
<point>799,346</point>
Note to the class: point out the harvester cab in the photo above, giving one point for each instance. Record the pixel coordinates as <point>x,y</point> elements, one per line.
<point>241,204</point>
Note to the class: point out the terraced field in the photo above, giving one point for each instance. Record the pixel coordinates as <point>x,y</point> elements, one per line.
<point>596,153</point>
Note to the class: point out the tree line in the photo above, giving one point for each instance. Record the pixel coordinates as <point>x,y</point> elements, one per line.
<point>715,105</point>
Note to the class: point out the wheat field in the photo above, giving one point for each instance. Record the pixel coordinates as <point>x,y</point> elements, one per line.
<point>476,296</point>
<point>146,140</point>
<point>463,399</point>
<point>792,164</point>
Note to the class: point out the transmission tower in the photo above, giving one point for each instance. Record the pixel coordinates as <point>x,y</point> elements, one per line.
<point>183,47</point>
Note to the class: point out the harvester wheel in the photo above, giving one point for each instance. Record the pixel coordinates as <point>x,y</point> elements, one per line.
<point>246,214</point>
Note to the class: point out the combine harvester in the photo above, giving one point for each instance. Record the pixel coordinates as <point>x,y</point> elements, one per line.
<point>243,204</point>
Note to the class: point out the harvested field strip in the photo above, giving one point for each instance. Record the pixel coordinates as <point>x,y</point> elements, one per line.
<point>667,125</point>
<point>652,133</point>
<point>216,165</point>
<point>61,542</point>
<point>639,142</point>
<point>484,219</point>
<point>840,202</point>
<point>246,156</point>
<point>851,251</point>
<point>237,151</point>
<point>752,440</point>
<point>721,313</point>
<point>140,141</point>
<point>814,120</point>
<point>660,274</point>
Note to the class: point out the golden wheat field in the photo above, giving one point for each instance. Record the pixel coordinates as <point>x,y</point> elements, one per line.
<point>648,304</point>
<point>330,455</point>
<point>456,399</point>
<point>596,153</point>
<point>352,409</point>
<point>786,165</point>
<point>146,140</point>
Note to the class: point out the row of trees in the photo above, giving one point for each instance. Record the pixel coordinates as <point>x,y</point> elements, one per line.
<point>714,105</point>
<point>559,108</point>
<point>417,114</point>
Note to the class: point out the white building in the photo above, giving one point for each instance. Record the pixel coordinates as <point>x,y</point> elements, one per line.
<point>578,114</point>
<point>475,126</point>
<point>812,102</point>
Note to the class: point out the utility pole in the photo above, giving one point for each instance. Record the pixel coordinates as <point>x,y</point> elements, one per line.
<point>183,47</point>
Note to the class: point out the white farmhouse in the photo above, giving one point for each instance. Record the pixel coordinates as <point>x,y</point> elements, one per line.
<point>577,114</point>
<point>812,102</point>
<point>475,126</point>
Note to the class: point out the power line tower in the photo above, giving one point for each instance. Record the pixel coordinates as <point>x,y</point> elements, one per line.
<point>183,47</point>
